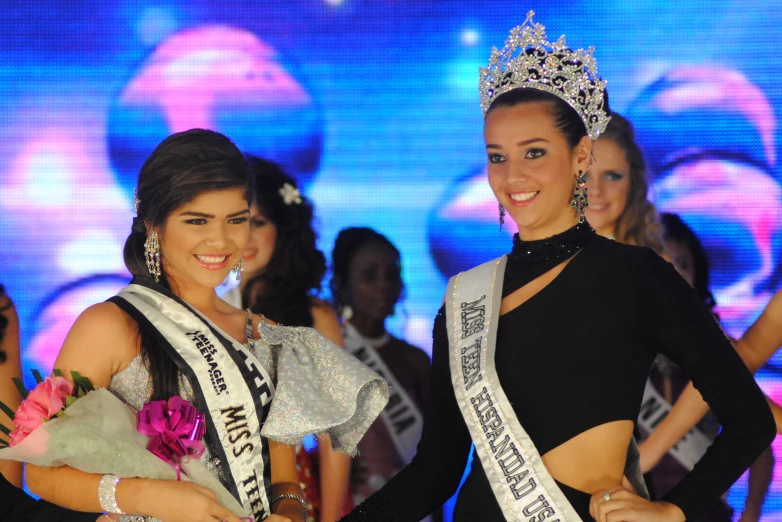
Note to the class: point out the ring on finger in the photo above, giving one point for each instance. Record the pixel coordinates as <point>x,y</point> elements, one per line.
<point>607,496</point>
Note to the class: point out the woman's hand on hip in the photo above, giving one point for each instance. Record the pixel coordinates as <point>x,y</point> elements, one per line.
<point>621,505</point>
<point>649,456</point>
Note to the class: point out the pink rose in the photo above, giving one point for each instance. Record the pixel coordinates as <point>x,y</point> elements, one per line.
<point>28,417</point>
<point>50,395</point>
<point>44,402</point>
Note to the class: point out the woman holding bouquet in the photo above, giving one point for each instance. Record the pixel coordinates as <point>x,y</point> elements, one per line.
<point>261,386</point>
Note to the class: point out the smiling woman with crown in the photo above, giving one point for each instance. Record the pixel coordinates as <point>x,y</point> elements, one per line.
<point>540,357</point>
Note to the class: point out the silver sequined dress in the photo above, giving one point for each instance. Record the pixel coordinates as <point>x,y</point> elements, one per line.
<point>320,389</point>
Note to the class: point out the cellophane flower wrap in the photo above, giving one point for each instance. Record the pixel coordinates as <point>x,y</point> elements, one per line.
<point>98,433</point>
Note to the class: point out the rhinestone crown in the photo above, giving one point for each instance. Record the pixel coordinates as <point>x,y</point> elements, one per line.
<point>551,67</point>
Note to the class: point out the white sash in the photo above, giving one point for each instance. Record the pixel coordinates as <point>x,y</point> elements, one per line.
<point>401,416</point>
<point>654,409</point>
<point>231,386</point>
<point>520,482</point>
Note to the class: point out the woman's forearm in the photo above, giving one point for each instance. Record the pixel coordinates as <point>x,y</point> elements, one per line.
<point>334,479</point>
<point>78,490</point>
<point>12,471</point>
<point>760,476</point>
<point>764,337</point>
<point>292,509</point>
<point>685,414</point>
<point>65,486</point>
<point>776,409</point>
<point>288,507</point>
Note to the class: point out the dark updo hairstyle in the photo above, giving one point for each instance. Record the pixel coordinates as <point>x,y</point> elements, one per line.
<point>184,166</point>
<point>566,119</point>
<point>349,241</point>
<point>675,229</point>
<point>284,290</point>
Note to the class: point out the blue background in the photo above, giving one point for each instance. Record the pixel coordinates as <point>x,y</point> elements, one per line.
<point>373,104</point>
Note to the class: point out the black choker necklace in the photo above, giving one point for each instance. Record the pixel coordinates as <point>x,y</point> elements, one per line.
<point>530,259</point>
<point>560,246</point>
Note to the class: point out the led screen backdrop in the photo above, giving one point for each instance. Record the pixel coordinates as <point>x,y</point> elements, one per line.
<point>373,105</point>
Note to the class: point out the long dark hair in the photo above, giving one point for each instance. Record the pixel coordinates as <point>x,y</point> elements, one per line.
<point>348,242</point>
<point>675,229</point>
<point>184,166</point>
<point>283,291</point>
<point>639,223</point>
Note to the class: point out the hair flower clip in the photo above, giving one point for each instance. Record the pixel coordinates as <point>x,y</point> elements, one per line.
<point>290,194</point>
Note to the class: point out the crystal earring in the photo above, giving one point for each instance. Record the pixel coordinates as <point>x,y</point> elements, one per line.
<point>152,255</point>
<point>238,269</point>
<point>579,201</point>
<point>502,216</point>
<point>347,313</point>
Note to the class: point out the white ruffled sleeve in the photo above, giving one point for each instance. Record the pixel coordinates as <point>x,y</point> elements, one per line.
<point>320,388</point>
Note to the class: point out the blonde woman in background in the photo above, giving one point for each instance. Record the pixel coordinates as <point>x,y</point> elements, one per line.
<point>619,209</point>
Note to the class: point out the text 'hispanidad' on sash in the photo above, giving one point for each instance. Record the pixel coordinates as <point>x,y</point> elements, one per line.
<point>524,489</point>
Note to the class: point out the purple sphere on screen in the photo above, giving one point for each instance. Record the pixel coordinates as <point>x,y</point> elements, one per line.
<point>220,78</point>
<point>709,137</point>
<point>463,228</point>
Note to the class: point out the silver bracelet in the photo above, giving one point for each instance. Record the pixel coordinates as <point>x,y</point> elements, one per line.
<point>292,497</point>
<point>107,494</point>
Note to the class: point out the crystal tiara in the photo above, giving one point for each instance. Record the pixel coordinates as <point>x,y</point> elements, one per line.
<point>529,61</point>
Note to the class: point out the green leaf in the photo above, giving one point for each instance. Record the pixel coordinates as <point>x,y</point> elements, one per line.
<point>57,373</point>
<point>7,410</point>
<point>69,400</point>
<point>37,375</point>
<point>83,384</point>
<point>20,386</point>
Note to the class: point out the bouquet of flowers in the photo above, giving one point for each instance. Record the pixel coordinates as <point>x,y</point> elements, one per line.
<point>64,423</point>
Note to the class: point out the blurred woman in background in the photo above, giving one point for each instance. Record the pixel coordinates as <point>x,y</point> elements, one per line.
<point>619,209</point>
<point>690,258</point>
<point>618,190</point>
<point>367,285</point>
<point>283,271</point>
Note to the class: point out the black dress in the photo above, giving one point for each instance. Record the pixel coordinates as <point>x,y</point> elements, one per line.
<point>576,355</point>
<point>17,506</point>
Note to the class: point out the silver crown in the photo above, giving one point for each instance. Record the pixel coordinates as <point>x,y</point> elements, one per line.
<point>551,67</point>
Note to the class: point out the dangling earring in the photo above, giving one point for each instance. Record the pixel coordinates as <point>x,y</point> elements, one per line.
<point>502,216</point>
<point>347,313</point>
<point>238,269</point>
<point>579,201</point>
<point>152,255</point>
